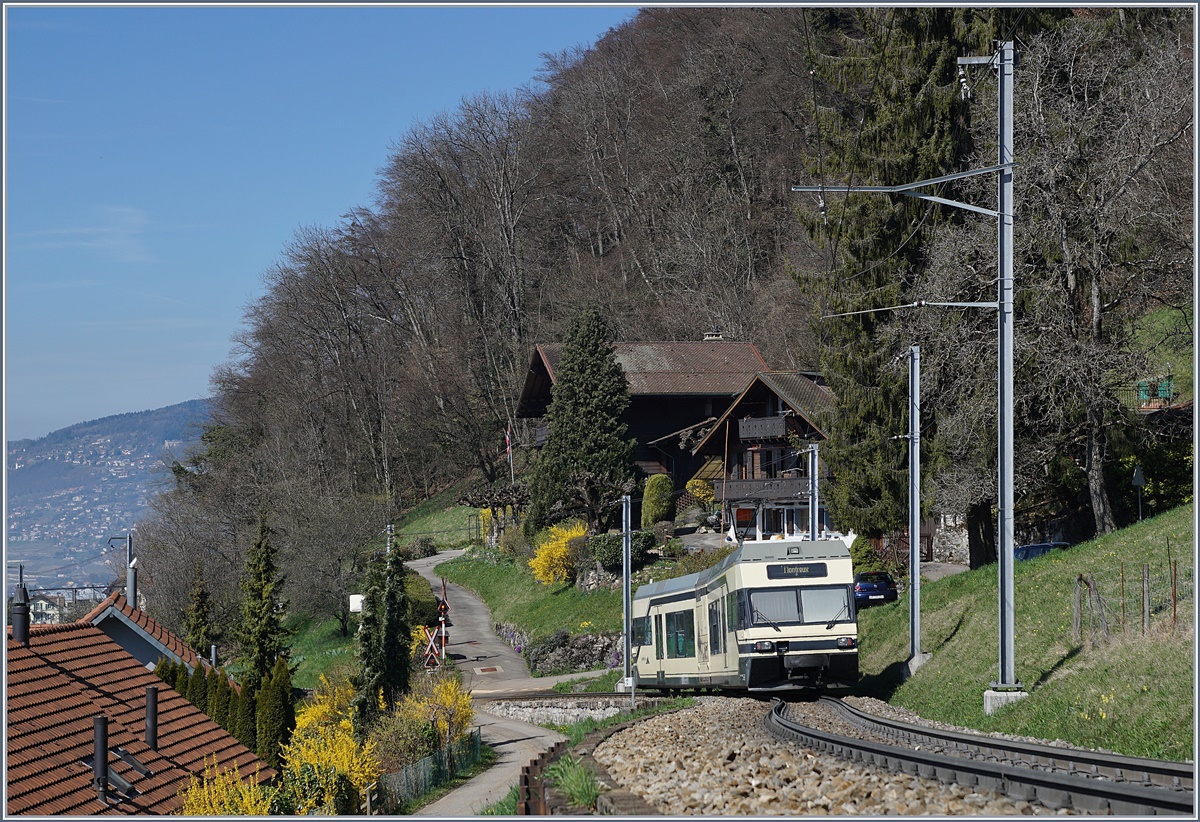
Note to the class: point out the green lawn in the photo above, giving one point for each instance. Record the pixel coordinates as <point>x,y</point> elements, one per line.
<point>1129,693</point>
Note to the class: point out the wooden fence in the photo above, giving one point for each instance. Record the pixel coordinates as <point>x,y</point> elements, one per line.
<point>1141,597</point>
<point>531,791</point>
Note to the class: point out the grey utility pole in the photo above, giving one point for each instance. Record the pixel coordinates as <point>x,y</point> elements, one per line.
<point>1007,688</point>
<point>915,657</point>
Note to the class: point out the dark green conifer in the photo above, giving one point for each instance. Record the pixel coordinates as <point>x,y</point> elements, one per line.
<point>261,635</point>
<point>276,715</point>
<point>587,461</point>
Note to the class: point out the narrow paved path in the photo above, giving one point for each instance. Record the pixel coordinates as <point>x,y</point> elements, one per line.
<point>491,667</point>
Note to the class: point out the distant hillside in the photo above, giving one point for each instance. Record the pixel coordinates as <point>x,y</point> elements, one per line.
<point>72,490</point>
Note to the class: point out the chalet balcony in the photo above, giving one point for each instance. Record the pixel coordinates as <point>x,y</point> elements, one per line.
<point>762,428</point>
<point>771,490</point>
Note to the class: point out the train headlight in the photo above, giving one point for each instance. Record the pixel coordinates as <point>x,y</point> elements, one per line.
<point>764,646</point>
<point>847,642</point>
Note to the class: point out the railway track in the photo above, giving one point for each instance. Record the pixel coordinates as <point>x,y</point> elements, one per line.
<point>1057,777</point>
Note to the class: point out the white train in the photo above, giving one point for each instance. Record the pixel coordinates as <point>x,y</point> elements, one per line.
<point>775,615</point>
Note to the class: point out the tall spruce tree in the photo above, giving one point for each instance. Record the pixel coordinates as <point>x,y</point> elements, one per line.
<point>587,461</point>
<point>261,635</point>
<point>892,114</point>
<point>394,630</point>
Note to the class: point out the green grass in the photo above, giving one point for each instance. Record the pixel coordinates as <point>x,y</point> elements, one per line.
<point>1164,334</point>
<point>1130,694</point>
<point>576,731</point>
<point>602,684</point>
<point>440,518</point>
<point>514,596</point>
<point>317,647</point>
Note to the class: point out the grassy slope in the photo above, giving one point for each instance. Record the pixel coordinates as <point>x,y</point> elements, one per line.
<point>1132,695</point>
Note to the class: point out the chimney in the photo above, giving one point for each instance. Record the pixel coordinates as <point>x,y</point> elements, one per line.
<point>152,717</point>
<point>131,583</point>
<point>20,610</point>
<point>100,759</point>
<point>714,335</point>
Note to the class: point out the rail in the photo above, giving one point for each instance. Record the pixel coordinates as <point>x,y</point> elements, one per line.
<point>1056,777</point>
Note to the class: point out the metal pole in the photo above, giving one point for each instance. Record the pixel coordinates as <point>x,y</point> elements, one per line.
<point>914,500</point>
<point>814,499</point>
<point>1008,680</point>
<point>626,590</point>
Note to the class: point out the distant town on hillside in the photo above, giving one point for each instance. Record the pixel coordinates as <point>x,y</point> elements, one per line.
<point>76,490</point>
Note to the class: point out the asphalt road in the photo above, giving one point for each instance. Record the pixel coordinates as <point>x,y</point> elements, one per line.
<point>491,667</point>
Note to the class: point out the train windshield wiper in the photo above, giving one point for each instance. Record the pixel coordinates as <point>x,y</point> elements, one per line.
<point>833,621</point>
<point>759,616</point>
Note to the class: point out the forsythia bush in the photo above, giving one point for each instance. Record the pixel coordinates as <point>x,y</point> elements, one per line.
<point>323,754</point>
<point>553,561</point>
<point>701,491</point>
<point>443,701</point>
<point>224,793</point>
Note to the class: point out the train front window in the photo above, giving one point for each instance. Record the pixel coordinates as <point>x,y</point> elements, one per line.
<point>825,604</point>
<point>779,606</point>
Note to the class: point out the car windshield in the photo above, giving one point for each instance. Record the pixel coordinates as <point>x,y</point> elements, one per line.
<point>876,577</point>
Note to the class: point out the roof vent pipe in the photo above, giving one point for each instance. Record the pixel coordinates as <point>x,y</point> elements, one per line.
<point>131,583</point>
<point>100,759</point>
<point>152,717</point>
<point>20,610</point>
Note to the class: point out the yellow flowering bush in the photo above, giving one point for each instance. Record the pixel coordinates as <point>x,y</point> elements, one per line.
<point>323,755</point>
<point>443,701</point>
<point>225,793</point>
<point>553,561</point>
<point>702,491</point>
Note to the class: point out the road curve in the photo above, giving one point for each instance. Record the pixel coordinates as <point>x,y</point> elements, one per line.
<point>491,667</point>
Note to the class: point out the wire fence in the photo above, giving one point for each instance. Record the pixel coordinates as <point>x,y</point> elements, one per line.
<point>1140,599</point>
<point>422,776</point>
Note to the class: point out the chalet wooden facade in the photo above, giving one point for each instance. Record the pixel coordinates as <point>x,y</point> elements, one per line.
<point>763,455</point>
<point>676,389</point>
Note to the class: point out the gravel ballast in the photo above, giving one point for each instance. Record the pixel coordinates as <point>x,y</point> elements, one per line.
<point>716,760</point>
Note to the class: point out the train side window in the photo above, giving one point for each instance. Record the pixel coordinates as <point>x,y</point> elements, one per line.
<point>641,631</point>
<point>734,611</point>
<point>681,634</point>
<point>658,636</point>
<point>716,631</point>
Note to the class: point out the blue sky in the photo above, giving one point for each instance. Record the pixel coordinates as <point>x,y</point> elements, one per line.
<point>158,160</point>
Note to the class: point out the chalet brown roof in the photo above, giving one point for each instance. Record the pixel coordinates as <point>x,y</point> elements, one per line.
<point>708,368</point>
<point>115,603</point>
<point>71,673</point>
<point>806,398</point>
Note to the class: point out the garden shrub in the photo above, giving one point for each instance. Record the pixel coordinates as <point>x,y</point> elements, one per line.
<point>553,561</point>
<point>420,548</point>
<point>701,491</point>
<point>514,545</point>
<point>658,500</point>
<point>663,531</point>
<point>607,548</point>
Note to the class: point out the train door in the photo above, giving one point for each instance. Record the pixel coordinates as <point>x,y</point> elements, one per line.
<point>718,639</point>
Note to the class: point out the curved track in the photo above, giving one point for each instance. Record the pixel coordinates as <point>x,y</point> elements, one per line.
<point>1057,777</point>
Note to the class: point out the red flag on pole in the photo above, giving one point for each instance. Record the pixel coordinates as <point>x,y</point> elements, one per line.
<point>508,440</point>
<point>444,593</point>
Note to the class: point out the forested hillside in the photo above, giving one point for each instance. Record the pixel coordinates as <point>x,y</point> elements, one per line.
<point>650,176</point>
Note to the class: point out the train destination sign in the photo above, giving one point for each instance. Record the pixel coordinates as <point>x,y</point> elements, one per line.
<point>798,570</point>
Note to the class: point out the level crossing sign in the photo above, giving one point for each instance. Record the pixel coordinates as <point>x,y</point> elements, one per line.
<point>432,655</point>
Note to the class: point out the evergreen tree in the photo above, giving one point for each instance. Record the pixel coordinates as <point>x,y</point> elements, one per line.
<point>368,682</point>
<point>197,689</point>
<point>199,631</point>
<point>181,679</point>
<point>219,700</point>
<point>276,714</point>
<point>261,636</point>
<point>212,681</point>
<point>658,500</point>
<point>246,720</point>
<point>587,461</point>
<point>395,633</point>
<point>162,670</point>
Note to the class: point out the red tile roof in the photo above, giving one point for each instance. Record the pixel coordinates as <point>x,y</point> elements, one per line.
<point>115,603</point>
<point>71,673</point>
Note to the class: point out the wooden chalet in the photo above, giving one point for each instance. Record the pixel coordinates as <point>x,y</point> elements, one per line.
<point>675,389</point>
<point>761,452</point>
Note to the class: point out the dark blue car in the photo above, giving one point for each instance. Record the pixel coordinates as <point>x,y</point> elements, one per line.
<point>1037,549</point>
<point>874,588</point>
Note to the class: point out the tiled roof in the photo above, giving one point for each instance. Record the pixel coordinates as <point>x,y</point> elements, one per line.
<point>70,674</point>
<point>115,603</point>
<point>813,402</point>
